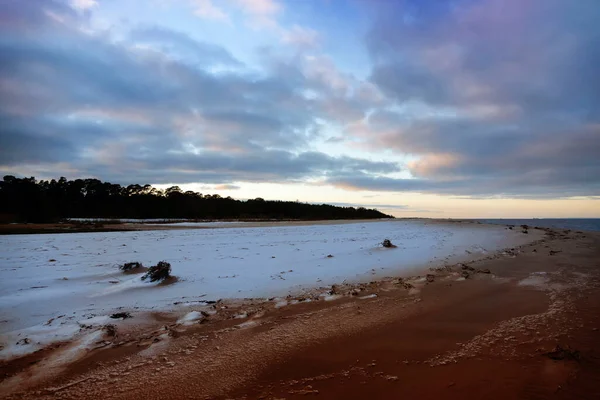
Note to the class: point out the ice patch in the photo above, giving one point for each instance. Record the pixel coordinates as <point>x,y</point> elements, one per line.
<point>280,304</point>
<point>370,296</point>
<point>78,348</point>
<point>158,346</point>
<point>537,279</point>
<point>26,341</point>
<point>332,297</point>
<point>480,250</point>
<point>133,283</point>
<point>190,318</point>
<point>247,324</point>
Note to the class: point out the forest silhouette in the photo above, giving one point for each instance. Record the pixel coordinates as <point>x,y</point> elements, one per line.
<point>29,200</point>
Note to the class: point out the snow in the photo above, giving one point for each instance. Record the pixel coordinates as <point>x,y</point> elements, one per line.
<point>191,318</point>
<point>370,296</point>
<point>536,279</point>
<point>247,324</point>
<point>83,278</point>
<point>28,340</point>
<point>79,348</point>
<point>281,303</point>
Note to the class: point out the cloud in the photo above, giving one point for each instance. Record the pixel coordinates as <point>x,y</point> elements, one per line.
<point>482,102</point>
<point>126,113</point>
<point>115,163</point>
<point>259,8</point>
<point>486,98</point>
<point>84,5</point>
<point>207,9</point>
<point>262,13</point>
<point>226,187</point>
<point>20,146</point>
<point>301,37</point>
<point>181,46</point>
<point>530,184</point>
<point>18,17</point>
<point>335,139</point>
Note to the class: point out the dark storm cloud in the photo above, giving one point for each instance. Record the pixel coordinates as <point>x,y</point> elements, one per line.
<point>269,163</point>
<point>219,167</point>
<point>20,147</point>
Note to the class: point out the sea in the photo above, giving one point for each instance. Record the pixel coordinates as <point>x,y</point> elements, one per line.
<point>576,224</point>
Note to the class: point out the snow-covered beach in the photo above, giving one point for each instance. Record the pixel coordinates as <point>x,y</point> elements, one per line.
<point>53,284</point>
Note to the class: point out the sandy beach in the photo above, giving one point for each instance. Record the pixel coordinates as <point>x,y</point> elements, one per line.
<point>519,322</point>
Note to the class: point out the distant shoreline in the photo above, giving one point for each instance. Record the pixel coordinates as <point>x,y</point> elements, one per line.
<point>90,225</point>
<point>114,225</point>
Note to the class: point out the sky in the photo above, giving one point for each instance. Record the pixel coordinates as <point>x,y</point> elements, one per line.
<point>428,108</point>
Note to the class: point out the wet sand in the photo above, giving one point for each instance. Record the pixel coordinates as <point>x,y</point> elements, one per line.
<point>493,335</point>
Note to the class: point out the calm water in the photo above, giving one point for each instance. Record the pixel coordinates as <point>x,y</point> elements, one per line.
<point>578,224</point>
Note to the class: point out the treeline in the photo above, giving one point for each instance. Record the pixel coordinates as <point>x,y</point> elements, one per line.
<point>29,200</point>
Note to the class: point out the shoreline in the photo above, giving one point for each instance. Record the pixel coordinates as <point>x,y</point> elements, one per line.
<point>312,347</point>
<point>108,226</point>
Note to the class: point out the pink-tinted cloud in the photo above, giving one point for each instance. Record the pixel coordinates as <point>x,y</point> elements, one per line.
<point>208,9</point>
